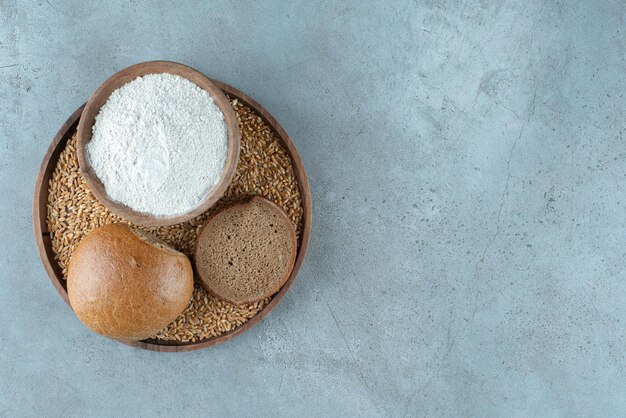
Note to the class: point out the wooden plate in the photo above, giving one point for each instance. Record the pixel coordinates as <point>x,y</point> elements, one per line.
<point>44,242</point>
<point>99,98</point>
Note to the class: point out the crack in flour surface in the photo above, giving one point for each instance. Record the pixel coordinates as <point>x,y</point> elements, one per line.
<point>159,145</point>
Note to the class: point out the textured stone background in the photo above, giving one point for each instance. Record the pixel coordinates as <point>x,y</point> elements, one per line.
<point>467,164</point>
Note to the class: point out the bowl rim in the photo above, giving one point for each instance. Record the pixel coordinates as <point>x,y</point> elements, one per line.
<point>44,242</point>
<point>99,98</point>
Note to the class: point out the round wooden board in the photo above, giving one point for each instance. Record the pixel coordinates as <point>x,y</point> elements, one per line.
<point>44,242</point>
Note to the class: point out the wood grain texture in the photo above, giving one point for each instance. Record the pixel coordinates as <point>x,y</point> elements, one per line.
<point>99,98</point>
<point>42,236</point>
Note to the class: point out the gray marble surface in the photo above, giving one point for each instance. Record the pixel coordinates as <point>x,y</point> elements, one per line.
<point>467,165</point>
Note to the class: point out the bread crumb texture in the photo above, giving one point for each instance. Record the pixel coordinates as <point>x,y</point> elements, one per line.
<point>246,252</point>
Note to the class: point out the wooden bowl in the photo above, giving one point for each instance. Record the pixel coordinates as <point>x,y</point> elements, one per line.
<point>99,98</point>
<point>44,241</point>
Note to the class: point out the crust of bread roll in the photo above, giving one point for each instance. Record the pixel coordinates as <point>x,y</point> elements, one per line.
<point>125,284</point>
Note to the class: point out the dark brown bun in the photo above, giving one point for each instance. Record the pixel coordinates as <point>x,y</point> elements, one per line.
<point>124,284</point>
<point>245,252</point>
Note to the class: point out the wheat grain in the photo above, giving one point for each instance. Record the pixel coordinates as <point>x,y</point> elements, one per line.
<point>264,168</point>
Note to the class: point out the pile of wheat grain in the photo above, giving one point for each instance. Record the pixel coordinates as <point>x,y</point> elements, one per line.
<point>264,169</point>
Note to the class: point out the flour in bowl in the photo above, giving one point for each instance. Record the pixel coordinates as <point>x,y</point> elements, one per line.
<point>159,145</point>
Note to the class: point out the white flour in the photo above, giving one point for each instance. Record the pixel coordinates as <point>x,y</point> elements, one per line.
<point>159,145</point>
